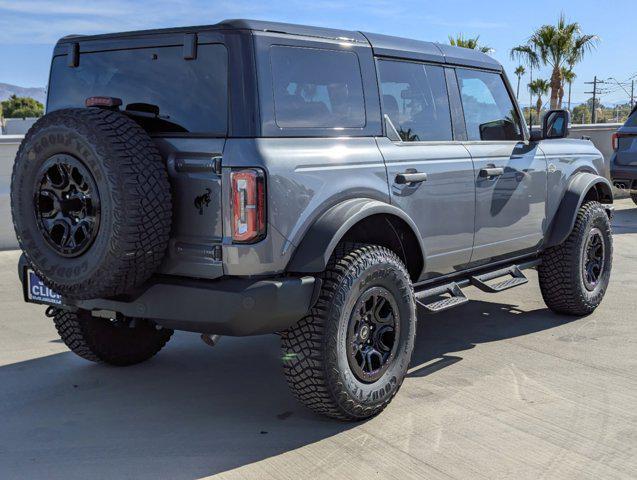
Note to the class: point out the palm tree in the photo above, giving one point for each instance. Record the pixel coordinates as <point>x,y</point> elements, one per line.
<point>568,76</point>
<point>469,42</point>
<point>526,55</point>
<point>519,71</point>
<point>556,46</point>
<point>539,87</point>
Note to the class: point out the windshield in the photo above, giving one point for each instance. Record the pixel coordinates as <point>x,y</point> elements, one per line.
<point>159,88</point>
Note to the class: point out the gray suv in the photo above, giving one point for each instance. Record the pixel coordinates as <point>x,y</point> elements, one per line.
<point>251,177</point>
<point>623,164</point>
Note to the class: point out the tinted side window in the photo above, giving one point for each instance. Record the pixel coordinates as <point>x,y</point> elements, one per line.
<point>414,96</point>
<point>317,88</point>
<point>488,110</point>
<point>158,88</point>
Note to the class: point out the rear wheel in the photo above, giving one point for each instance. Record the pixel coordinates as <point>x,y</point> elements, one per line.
<point>119,342</point>
<point>348,358</point>
<point>634,197</point>
<point>574,276</point>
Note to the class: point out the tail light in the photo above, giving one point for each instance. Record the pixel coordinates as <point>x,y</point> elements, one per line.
<point>248,205</point>
<point>615,141</point>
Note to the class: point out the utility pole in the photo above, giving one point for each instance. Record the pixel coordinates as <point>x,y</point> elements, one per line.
<point>595,83</point>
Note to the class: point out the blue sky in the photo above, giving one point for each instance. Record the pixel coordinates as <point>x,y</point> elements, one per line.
<point>29,28</point>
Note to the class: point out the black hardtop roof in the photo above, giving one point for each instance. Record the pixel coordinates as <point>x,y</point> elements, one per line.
<point>383,45</point>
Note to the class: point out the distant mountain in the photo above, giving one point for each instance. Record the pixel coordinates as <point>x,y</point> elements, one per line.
<point>6,90</point>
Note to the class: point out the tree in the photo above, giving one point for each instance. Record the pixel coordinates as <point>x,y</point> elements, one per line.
<point>539,87</point>
<point>568,76</point>
<point>469,42</point>
<point>581,114</point>
<point>556,46</point>
<point>22,107</point>
<point>519,71</point>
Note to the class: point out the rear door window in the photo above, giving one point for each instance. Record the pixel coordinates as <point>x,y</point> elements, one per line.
<point>316,88</point>
<point>159,88</point>
<point>414,96</point>
<point>488,109</point>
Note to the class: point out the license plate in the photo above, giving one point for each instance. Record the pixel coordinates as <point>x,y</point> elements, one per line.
<point>37,292</point>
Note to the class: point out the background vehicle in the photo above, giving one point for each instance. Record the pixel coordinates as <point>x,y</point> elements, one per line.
<point>623,164</point>
<point>253,177</point>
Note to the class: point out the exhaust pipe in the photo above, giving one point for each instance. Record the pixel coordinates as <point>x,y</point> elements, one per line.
<point>210,340</point>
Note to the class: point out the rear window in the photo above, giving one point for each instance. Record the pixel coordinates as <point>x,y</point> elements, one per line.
<point>317,88</point>
<point>158,87</point>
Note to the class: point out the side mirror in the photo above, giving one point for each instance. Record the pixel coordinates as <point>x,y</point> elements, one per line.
<point>555,124</point>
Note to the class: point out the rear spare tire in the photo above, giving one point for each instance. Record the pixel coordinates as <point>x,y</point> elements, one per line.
<point>90,201</point>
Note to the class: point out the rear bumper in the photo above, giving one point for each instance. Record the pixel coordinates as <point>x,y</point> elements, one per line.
<point>624,177</point>
<point>226,306</point>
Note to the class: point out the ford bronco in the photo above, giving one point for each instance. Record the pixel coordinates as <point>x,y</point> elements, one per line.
<point>251,177</point>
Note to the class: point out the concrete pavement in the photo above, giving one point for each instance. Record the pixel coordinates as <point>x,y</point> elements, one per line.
<point>500,388</point>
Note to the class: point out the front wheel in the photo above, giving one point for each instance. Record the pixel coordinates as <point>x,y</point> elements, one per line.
<point>349,356</point>
<point>574,276</point>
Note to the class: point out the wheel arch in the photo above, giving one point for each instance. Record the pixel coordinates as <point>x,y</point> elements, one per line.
<point>582,187</point>
<point>360,220</point>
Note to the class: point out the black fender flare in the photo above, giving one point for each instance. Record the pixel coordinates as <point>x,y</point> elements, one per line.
<point>578,187</point>
<point>320,240</point>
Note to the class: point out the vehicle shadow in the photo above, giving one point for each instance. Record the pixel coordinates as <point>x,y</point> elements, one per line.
<point>439,337</point>
<point>190,412</point>
<point>194,411</point>
<point>625,221</point>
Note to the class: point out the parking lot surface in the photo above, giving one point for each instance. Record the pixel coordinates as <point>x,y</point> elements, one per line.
<point>498,388</point>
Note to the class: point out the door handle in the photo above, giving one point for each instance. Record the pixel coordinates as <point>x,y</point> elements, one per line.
<point>491,172</point>
<point>410,177</point>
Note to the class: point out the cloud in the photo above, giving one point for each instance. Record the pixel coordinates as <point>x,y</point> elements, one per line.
<point>69,7</point>
<point>40,21</point>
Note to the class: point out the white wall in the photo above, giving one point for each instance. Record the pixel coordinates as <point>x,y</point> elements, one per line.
<point>8,147</point>
<point>600,134</point>
<point>18,126</point>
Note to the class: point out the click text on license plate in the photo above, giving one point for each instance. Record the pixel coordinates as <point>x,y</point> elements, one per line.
<point>38,292</point>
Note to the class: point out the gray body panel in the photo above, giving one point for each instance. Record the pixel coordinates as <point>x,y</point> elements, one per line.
<point>306,177</point>
<point>443,206</point>
<point>197,225</point>
<point>510,209</point>
<point>565,158</point>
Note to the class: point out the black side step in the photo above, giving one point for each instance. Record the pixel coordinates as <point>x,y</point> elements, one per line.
<point>456,298</point>
<point>517,278</point>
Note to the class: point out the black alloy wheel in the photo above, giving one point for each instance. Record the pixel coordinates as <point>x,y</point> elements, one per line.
<point>594,256</point>
<point>371,335</point>
<point>67,205</point>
